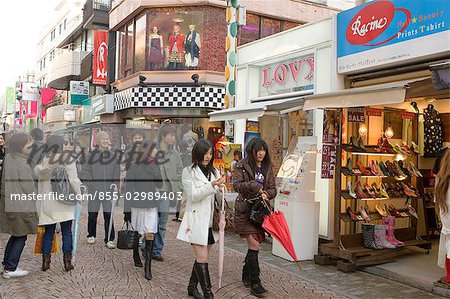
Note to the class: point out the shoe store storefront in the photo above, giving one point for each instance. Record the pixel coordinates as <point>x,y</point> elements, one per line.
<point>272,85</point>
<point>385,131</point>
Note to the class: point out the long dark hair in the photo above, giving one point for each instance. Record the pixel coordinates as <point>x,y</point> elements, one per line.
<point>254,146</point>
<point>199,151</point>
<point>442,186</point>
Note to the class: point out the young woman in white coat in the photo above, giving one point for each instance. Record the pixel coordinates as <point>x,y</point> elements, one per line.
<point>50,211</point>
<point>442,193</point>
<point>200,183</point>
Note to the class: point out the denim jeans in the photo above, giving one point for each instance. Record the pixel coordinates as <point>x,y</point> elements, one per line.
<point>13,251</point>
<point>66,231</point>
<point>93,208</point>
<point>163,214</point>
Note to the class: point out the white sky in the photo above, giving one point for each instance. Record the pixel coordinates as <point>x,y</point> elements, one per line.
<point>21,21</point>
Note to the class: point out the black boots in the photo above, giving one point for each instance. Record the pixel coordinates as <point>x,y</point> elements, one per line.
<point>148,259</point>
<point>253,268</point>
<point>203,278</point>
<point>136,257</point>
<point>67,258</point>
<point>245,273</point>
<point>46,259</point>
<point>192,287</point>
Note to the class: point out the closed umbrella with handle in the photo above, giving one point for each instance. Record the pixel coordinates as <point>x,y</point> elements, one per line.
<point>113,205</point>
<point>222,224</point>
<point>76,226</point>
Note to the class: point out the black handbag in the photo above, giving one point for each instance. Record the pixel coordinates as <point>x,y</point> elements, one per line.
<point>257,210</point>
<point>126,237</point>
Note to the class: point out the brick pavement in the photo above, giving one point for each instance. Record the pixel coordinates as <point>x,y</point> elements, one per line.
<point>104,273</point>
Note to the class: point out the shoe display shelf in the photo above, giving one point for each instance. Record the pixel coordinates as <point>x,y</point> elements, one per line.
<point>348,248</point>
<point>425,186</point>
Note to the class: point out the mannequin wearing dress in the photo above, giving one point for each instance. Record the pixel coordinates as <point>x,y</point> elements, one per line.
<point>156,53</point>
<point>192,48</point>
<point>176,46</point>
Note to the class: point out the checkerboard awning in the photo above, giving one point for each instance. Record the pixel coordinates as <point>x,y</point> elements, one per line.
<point>211,97</point>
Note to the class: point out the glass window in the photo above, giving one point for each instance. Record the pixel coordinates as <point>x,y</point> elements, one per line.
<point>139,52</point>
<point>174,39</point>
<point>270,26</point>
<point>250,32</point>
<point>289,25</point>
<point>122,52</point>
<point>129,49</point>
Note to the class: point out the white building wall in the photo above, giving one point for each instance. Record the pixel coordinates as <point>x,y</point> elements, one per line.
<point>318,38</point>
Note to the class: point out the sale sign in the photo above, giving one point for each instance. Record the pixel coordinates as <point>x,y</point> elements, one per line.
<point>100,62</point>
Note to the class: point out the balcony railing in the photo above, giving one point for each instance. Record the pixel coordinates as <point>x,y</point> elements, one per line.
<point>64,67</point>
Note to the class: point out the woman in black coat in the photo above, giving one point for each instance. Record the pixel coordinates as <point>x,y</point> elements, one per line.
<point>141,199</point>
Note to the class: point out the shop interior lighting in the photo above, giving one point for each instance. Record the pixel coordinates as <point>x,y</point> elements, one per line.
<point>389,133</point>
<point>362,130</point>
<point>399,157</point>
<point>139,118</point>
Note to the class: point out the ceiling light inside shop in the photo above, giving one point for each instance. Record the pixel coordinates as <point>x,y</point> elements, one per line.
<point>389,133</point>
<point>399,157</point>
<point>362,130</point>
<point>139,118</point>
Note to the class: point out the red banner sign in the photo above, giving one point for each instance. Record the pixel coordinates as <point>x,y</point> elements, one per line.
<point>100,62</point>
<point>374,112</point>
<point>408,115</point>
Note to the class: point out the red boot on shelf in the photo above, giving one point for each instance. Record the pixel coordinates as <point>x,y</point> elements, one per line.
<point>389,223</point>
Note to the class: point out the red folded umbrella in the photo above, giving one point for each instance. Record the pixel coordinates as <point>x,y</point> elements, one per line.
<point>276,225</point>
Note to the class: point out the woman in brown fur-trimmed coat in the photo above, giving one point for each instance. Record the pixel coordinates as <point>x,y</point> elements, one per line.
<point>253,176</point>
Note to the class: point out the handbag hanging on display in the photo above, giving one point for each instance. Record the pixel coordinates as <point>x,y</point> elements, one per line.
<point>126,237</point>
<point>257,209</point>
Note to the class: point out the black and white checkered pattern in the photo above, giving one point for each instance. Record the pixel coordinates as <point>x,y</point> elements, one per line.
<point>170,96</point>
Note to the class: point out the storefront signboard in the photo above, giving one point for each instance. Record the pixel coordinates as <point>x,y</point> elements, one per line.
<point>374,112</point>
<point>30,92</point>
<point>330,139</point>
<point>287,76</point>
<point>103,104</point>
<point>140,124</point>
<point>382,33</point>
<point>100,58</point>
<point>356,115</point>
<point>79,91</point>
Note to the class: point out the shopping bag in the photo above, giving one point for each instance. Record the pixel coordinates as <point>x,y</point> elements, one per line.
<point>39,241</point>
<point>182,207</point>
<point>126,237</point>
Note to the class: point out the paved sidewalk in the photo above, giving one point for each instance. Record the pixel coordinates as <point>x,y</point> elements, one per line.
<point>105,273</point>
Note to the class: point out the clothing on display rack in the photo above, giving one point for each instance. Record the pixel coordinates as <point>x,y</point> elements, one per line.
<point>192,48</point>
<point>176,47</point>
<point>156,53</point>
<point>433,131</point>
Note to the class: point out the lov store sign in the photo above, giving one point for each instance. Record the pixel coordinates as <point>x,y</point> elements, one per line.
<point>287,76</point>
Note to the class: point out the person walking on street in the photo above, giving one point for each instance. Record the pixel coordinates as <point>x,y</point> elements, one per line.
<point>186,159</point>
<point>99,173</point>
<point>253,177</point>
<point>51,212</point>
<point>79,156</point>
<point>143,178</point>
<point>2,151</point>
<point>17,218</point>
<point>38,151</point>
<point>171,170</point>
<point>200,182</point>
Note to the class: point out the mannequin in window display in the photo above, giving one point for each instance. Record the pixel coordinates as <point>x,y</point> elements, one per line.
<point>156,53</point>
<point>176,46</point>
<point>192,48</point>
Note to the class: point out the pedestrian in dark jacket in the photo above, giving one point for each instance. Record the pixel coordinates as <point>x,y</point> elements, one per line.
<point>38,151</point>
<point>141,200</point>
<point>17,218</point>
<point>253,177</point>
<point>101,174</point>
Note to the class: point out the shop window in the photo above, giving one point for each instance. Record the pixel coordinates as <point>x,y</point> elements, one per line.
<point>251,31</point>
<point>139,52</point>
<point>122,52</point>
<point>289,25</point>
<point>270,26</point>
<point>129,48</point>
<point>174,40</point>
